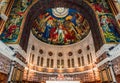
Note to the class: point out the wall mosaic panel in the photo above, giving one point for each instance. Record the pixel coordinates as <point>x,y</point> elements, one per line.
<point>106,20</point>
<point>13,24</point>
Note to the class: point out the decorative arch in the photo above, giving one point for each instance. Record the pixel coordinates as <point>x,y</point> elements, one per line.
<point>79,5</point>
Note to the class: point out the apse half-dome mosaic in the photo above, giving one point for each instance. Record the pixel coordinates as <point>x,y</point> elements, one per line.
<point>60,26</point>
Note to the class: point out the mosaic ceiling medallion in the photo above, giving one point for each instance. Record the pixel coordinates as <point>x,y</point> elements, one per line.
<point>60,12</point>
<point>60,26</point>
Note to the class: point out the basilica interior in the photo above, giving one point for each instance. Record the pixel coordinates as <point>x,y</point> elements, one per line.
<point>59,41</point>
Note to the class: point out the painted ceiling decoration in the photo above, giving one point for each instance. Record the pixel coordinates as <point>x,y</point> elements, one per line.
<point>60,26</point>
<point>59,11</point>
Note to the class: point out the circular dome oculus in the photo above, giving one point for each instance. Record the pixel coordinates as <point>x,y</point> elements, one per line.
<point>60,26</point>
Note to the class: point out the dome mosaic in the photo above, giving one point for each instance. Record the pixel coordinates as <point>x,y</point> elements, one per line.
<point>60,26</point>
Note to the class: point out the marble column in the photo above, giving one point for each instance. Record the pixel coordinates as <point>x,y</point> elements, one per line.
<point>12,65</point>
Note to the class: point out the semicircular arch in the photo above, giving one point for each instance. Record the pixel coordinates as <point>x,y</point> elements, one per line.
<point>80,5</point>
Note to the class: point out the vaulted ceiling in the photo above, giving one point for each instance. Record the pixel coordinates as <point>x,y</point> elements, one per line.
<point>81,6</point>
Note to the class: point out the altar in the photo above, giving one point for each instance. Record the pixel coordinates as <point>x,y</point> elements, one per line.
<point>62,81</point>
